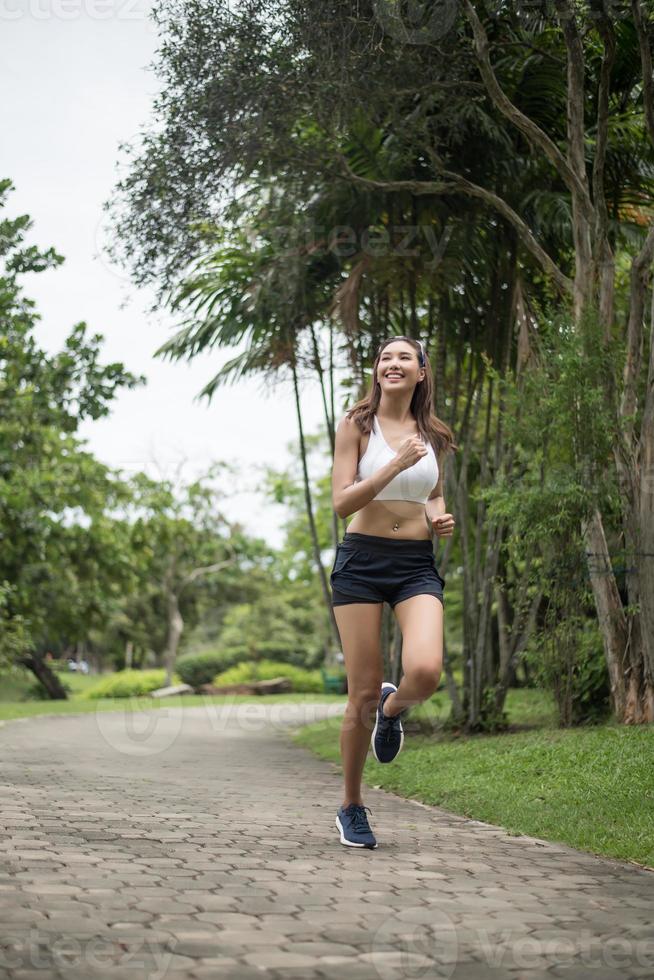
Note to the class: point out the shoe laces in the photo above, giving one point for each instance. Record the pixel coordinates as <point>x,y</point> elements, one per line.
<point>389,723</point>
<point>359,818</point>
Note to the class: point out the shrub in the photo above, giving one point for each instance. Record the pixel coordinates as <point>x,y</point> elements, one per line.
<point>128,683</point>
<point>264,670</point>
<point>200,668</point>
<point>592,687</point>
<point>568,659</point>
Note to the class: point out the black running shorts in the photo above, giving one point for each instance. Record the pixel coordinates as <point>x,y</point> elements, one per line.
<point>369,568</point>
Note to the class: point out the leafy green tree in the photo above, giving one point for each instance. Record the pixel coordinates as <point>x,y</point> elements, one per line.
<point>528,136</point>
<point>46,478</point>
<point>279,626</point>
<point>555,415</point>
<point>181,540</point>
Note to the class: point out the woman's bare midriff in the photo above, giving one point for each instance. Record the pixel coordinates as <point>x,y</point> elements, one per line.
<point>380,516</point>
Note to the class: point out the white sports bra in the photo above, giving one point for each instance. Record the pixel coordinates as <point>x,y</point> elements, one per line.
<point>414,483</point>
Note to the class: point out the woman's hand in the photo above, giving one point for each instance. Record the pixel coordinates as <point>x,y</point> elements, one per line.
<point>411,450</point>
<point>443,525</point>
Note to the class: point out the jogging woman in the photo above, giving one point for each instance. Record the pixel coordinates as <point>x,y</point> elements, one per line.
<point>386,472</point>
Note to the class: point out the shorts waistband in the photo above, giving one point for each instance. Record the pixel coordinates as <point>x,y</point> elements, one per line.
<point>374,542</point>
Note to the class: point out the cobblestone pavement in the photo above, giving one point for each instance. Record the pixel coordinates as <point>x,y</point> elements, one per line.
<point>201,843</point>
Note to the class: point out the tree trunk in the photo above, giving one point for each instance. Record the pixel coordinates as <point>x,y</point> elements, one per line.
<point>385,640</point>
<point>503,630</point>
<point>520,635</point>
<point>309,506</point>
<point>329,416</point>
<point>175,627</point>
<point>457,713</point>
<point>488,539</point>
<point>332,414</point>
<point>644,559</point>
<point>470,602</point>
<point>50,681</point>
<point>608,605</point>
<point>397,671</point>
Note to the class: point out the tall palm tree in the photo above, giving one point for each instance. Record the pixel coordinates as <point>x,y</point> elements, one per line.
<point>266,297</point>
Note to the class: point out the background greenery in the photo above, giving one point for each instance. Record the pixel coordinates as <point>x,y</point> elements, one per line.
<point>270,209</point>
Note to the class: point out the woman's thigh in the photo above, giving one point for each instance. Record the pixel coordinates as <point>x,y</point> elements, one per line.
<point>359,626</point>
<point>420,619</point>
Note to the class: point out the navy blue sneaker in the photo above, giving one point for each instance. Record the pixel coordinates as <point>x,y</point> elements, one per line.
<point>387,735</point>
<point>354,827</point>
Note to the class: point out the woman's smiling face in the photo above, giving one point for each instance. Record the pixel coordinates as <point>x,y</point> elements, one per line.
<point>398,366</point>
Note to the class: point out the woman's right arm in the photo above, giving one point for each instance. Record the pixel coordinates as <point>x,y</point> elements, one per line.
<point>349,497</point>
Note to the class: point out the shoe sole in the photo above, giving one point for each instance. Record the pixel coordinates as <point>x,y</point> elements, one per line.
<point>389,687</point>
<point>350,843</point>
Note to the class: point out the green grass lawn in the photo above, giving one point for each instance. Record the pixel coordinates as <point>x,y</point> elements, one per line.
<point>525,707</point>
<point>27,709</point>
<point>591,787</point>
<point>14,684</point>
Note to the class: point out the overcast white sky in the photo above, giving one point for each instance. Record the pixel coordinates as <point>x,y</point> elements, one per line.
<point>75,85</point>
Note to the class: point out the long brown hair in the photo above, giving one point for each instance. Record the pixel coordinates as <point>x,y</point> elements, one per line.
<point>432,429</point>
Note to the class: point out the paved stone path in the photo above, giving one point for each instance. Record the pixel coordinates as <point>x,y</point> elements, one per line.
<point>201,843</point>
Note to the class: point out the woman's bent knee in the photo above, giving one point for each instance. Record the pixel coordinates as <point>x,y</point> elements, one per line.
<point>426,679</point>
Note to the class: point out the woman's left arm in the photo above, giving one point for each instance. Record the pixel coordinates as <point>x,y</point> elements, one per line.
<point>438,520</point>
